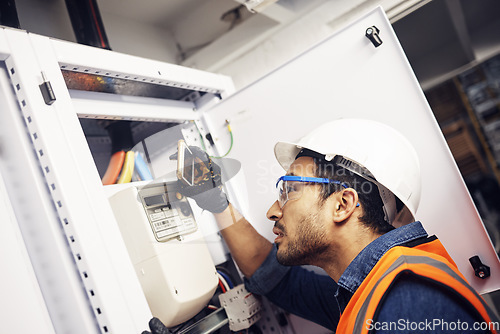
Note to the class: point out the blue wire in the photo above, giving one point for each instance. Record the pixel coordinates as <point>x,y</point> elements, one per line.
<point>227,279</point>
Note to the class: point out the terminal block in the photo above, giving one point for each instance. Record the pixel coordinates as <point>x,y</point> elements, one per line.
<point>242,307</point>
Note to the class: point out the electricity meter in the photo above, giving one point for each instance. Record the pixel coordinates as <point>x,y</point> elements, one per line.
<point>168,251</point>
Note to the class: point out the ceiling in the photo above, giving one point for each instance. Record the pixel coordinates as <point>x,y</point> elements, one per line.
<point>192,23</point>
<point>157,12</point>
<point>438,38</point>
<point>168,14</point>
<point>445,36</point>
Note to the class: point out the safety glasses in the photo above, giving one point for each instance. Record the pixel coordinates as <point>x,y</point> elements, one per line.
<point>291,187</point>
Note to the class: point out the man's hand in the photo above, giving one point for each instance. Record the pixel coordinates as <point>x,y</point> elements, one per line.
<point>157,327</point>
<point>207,187</point>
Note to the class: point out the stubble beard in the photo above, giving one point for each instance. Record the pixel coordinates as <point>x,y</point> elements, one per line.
<point>309,243</point>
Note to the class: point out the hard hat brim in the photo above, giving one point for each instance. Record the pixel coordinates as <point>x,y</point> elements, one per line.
<point>285,153</point>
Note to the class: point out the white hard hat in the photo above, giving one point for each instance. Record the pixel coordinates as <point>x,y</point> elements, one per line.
<point>380,154</point>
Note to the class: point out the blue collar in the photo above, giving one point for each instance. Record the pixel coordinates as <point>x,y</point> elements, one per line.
<point>363,263</point>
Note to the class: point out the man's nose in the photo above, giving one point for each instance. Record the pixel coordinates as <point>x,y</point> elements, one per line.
<point>274,213</point>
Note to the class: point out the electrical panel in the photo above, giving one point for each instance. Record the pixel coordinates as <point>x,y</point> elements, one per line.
<point>63,105</point>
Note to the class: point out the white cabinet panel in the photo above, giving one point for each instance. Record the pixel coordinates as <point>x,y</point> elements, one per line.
<point>20,289</point>
<point>347,77</point>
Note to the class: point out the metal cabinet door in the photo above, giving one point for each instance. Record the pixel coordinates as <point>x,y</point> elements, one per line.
<point>346,76</point>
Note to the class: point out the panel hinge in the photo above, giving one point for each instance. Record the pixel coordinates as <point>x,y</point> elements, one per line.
<point>47,91</point>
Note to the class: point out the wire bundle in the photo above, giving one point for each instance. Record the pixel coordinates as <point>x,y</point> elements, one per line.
<point>122,165</point>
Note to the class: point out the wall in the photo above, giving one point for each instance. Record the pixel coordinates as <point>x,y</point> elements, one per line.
<point>139,39</point>
<point>50,18</point>
<point>275,45</point>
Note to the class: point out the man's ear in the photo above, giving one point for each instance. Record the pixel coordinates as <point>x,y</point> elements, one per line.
<point>345,203</point>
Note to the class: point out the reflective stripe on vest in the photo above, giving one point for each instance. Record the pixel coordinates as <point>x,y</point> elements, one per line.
<point>366,300</point>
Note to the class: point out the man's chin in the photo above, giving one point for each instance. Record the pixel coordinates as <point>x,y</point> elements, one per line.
<point>284,260</point>
<point>279,257</point>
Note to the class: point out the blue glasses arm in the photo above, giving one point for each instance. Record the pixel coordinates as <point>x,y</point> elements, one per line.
<point>308,179</point>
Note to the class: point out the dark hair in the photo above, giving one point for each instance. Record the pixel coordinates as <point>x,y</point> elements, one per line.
<point>368,194</point>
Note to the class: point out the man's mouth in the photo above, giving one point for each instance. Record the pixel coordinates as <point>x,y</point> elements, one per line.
<point>279,234</point>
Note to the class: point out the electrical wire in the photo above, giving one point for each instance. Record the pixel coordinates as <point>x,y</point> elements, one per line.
<point>230,146</point>
<point>232,142</point>
<point>226,278</point>
<point>128,168</point>
<point>222,283</point>
<point>114,167</point>
<point>222,287</point>
<point>141,168</point>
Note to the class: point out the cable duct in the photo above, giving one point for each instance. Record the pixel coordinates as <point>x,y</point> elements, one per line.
<point>87,23</point>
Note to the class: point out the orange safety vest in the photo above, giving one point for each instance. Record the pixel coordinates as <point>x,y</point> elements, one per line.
<point>428,260</point>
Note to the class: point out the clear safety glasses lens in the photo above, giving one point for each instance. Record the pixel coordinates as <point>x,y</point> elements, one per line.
<point>289,190</point>
<point>291,187</point>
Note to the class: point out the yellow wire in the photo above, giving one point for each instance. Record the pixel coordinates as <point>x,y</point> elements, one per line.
<point>128,168</point>
<point>230,146</point>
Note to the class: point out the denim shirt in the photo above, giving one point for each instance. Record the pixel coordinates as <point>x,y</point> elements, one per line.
<point>363,263</point>
<point>318,298</point>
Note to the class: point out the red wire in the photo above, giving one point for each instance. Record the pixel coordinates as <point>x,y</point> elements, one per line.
<point>222,286</point>
<point>97,24</point>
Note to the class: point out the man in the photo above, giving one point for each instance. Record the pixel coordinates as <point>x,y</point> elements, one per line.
<point>347,205</point>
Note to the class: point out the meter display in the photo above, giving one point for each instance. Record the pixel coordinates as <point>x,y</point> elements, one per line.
<point>154,200</point>
<point>169,216</point>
